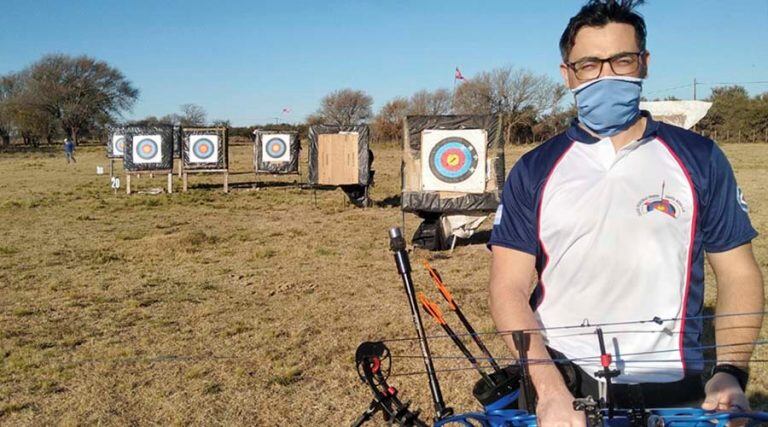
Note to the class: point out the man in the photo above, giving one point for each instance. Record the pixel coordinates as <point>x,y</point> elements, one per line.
<point>69,150</point>
<point>614,216</point>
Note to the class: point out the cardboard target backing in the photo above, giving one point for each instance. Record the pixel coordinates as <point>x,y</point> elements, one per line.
<point>452,164</point>
<point>116,143</point>
<point>205,148</point>
<point>276,152</point>
<point>453,160</point>
<point>339,155</point>
<point>148,148</point>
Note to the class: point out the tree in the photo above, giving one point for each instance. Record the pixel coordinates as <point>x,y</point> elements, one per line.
<point>345,107</point>
<point>522,96</point>
<point>192,115</point>
<point>9,86</point>
<point>735,114</point>
<point>388,124</point>
<point>425,102</point>
<point>81,93</point>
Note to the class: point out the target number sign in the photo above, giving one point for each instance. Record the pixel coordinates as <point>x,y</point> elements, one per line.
<point>203,148</point>
<point>454,160</point>
<point>118,145</point>
<point>147,149</point>
<point>275,148</point>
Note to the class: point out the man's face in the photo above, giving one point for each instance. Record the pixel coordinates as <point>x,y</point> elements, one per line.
<point>602,43</point>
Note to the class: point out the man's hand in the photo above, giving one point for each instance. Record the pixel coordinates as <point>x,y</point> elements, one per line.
<point>556,410</point>
<point>725,394</point>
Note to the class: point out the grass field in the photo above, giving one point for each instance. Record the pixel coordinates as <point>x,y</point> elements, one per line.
<point>212,308</point>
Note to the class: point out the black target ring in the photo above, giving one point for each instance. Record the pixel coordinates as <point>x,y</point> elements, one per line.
<point>453,160</point>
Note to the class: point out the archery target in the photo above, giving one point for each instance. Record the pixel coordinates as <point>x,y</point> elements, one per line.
<point>147,149</point>
<point>453,160</point>
<point>118,145</point>
<point>203,148</point>
<point>275,148</point>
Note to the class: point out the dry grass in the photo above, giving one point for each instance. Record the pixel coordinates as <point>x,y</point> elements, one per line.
<point>208,308</point>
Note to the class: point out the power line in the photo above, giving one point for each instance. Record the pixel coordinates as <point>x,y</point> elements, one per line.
<point>698,83</point>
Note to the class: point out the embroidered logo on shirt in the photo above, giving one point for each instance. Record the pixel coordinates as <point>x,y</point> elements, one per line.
<point>497,217</point>
<point>741,200</point>
<point>661,203</point>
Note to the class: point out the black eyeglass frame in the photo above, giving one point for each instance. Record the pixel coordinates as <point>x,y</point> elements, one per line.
<point>639,55</point>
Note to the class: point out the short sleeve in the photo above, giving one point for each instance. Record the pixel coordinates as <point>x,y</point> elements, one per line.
<point>514,225</point>
<point>724,219</point>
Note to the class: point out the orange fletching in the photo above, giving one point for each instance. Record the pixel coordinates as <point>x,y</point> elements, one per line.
<point>431,308</point>
<point>440,286</point>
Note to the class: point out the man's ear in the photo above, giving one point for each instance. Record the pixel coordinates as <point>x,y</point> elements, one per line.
<point>646,62</point>
<point>564,73</point>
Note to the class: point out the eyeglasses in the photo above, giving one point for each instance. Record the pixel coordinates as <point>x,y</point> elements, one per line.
<point>621,64</point>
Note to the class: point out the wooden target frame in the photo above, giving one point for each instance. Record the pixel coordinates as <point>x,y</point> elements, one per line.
<point>195,159</point>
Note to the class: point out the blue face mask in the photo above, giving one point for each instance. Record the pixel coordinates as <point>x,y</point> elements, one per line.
<point>609,105</point>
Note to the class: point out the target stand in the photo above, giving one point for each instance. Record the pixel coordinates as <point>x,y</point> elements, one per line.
<point>204,150</point>
<point>452,174</point>
<point>340,157</point>
<point>115,147</point>
<point>169,172</point>
<point>276,153</point>
<point>148,150</point>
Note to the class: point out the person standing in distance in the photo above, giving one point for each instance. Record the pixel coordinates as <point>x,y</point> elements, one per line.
<point>69,150</point>
<point>611,221</point>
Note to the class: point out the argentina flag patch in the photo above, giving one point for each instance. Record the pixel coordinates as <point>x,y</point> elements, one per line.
<point>497,216</point>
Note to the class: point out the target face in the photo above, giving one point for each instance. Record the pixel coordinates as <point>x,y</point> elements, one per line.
<point>203,148</point>
<point>147,149</point>
<point>454,160</point>
<point>118,145</point>
<point>275,148</point>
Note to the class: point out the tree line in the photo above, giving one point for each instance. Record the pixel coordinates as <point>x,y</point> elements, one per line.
<point>530,103</point>
<point>78,97</point>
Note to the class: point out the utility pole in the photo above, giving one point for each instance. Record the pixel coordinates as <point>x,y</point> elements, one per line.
<point>694,89</point>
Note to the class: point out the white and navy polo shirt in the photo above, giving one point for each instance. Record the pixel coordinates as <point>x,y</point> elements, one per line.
<point>620,237</point>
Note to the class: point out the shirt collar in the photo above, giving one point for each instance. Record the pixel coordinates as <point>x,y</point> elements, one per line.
<point>577,133</point>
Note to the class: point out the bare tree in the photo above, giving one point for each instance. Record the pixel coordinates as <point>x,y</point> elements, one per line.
<point>193,115</point>
<point>80,92</point>
<point>425,102</point>
<point>388,124</point>
<point>522,96</point>
<point>345,107</point>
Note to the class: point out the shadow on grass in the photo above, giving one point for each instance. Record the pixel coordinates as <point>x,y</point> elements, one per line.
<point>479,238</point>
<point>388,202</point>
<point>243,185</point>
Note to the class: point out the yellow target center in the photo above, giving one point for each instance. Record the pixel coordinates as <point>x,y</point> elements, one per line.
<point>146,149</point>
<point>203,148</point>
<point>452,159</point>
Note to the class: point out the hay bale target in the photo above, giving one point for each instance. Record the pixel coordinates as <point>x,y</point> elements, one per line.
<point>148,148</point>
<point>276,152</point>
<point>339,155</point>
<point>452,164</point>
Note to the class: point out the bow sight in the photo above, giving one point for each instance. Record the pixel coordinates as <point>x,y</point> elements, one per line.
<point>506,394</point>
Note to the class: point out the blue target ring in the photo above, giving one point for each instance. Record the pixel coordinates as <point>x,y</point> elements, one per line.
<point>146,149</point>
<point>203,148</point>
<point>276,148</point>
<point>453,160</point>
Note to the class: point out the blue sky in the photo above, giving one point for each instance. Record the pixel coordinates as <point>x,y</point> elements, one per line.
<point>246,60</point>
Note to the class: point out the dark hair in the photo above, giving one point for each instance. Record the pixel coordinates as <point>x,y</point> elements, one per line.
<point>598,13</point>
